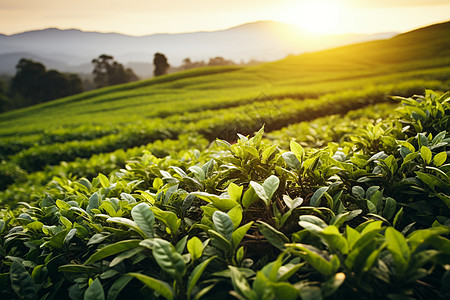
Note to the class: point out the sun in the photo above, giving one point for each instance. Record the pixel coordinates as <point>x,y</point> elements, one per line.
<point>316,16</point>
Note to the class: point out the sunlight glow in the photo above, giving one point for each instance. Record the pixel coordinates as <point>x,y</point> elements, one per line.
<point>316,16</point>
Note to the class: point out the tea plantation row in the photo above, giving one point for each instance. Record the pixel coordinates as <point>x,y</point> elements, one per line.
<point>367,216</point>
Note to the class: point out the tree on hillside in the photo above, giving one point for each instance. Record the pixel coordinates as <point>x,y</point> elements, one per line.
<point>108,72</point>
<point>5,101</point>
<point>188,64</point>
<point>161,64</point>
<point>33,84</point>
<point>220,61</point>
<point>27,79</point>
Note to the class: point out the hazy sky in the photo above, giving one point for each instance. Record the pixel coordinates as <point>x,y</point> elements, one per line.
<point>140,17</point>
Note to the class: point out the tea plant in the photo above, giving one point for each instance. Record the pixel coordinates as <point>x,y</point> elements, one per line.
<point>366,218</point>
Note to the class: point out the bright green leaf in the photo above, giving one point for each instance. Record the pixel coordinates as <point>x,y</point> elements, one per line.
<point>195,247</point>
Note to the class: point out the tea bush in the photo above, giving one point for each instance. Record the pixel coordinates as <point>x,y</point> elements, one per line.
<point>367,217</point>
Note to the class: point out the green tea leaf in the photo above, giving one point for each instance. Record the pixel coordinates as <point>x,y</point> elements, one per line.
<point>220,203</point>
<point>425,153</point>
<point>21,282</point>
<point>125,255</point>
<point>161,287</point>
<point>440,158</point>
<point>168,258</point>
<point>240,284</point>
<point>196,274</point>
<point>396,244</point>
<point>169,218</point>
<point>239,234</point>
<point>358,191</point>
<point>118,286</point>
<point>235,192</point>
<point>291,160</point>
<point>330,286</point>
<point>298,150</point>
<point>94,291</point>
<point>389,208</point>
<point>127,223</point>
<point>312,256</point>
<point>144,218</point>
<point>235,215</point>
<point>267,153</point>
<point>275,237</point>
<point>249,197</point>
<point>270,185</point>
<point>261,192</point>
<point>94,201</point>
<point>103,180</point>
<point>315,199</point>
<point>195,247</point>
<point>223,224</point>
<point>112,249</point>
<point>334,238</point>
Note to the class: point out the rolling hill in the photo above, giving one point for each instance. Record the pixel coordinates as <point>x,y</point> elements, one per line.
<point>416,51</point>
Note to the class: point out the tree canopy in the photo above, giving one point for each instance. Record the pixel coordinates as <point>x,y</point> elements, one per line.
<point>108,72</point>
<point>161,64</point>
<point>36,84</point>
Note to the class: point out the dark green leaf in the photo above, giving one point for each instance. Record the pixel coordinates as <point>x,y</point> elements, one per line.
<point>168,258</point>
<point>21,282</point>
<point>291,160</point>
<point>161,287</point>
<point>94,291</point>
<point>196,274</point>
<point>78,269</point>
<point>396,243</point>
<point>112,249</point>
<point>315,199</point>
<point>389,208</point>
<point>275,237</point>
<point>118,286</point>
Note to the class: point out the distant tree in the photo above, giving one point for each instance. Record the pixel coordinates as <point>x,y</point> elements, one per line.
<point>161,64</point>
<point>27,79</point>
<point>5,101</point>
<point>220,61</point>
<point>188,64</point>
<point>54,85</point>
<point>32,84</point>
<point>75,84</point>
<point>108,72</point>
<point>102,66</point>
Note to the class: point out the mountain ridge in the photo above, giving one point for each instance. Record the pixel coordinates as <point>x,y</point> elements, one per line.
<point>261,41</point>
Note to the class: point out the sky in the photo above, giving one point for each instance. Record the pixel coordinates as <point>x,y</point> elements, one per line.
<point>142,17</point>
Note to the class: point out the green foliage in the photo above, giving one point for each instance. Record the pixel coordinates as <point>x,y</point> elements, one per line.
<point>368,216</point>
<point>353,203</point>
<point>36,84</point>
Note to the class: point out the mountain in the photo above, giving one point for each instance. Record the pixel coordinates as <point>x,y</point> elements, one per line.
<point>66,50</point>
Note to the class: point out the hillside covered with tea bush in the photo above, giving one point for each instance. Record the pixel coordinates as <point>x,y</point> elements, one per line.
<point>320,176</point>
